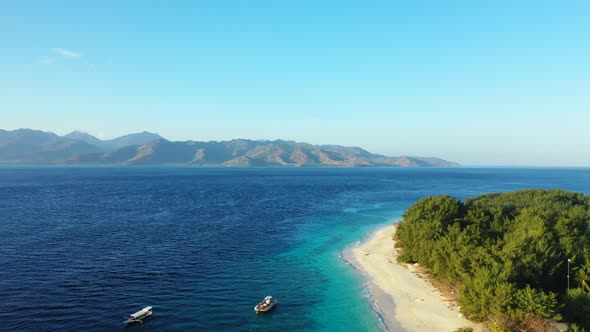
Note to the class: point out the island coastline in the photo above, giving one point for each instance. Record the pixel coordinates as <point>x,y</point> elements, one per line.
<point>403,298</point>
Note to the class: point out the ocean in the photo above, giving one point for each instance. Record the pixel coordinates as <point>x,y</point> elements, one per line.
<point>80,247</point>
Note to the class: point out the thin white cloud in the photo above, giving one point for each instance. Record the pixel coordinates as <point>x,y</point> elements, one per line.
<point>45,60</point>
<point>66,53</point>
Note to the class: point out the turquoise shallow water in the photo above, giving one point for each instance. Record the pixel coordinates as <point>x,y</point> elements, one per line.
<point>203,245</point>
<point>340,308</point>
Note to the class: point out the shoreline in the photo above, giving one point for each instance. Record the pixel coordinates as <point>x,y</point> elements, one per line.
<point>403,299</point>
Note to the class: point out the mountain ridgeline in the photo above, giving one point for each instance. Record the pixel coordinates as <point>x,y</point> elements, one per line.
<point>26,146</point>
<point>516,260</point>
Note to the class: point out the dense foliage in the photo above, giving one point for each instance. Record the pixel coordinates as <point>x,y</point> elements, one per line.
<point>506,254</point>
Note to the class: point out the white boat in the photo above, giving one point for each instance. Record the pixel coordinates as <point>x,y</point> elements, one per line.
<point>268,303</point>
<point>138,316</point>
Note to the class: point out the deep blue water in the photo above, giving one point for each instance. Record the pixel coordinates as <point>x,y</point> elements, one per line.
<point>82,246</point>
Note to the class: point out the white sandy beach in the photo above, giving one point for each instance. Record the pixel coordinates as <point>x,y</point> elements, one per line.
<point>417,304</point>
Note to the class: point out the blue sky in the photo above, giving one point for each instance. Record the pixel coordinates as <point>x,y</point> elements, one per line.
<point>478,82</point>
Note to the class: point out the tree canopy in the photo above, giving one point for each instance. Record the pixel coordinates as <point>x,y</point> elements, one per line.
<point>506,254</point>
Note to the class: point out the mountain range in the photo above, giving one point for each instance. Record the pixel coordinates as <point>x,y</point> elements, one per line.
<point>27,146</point>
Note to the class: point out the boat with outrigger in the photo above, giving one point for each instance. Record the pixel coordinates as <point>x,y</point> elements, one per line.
<point>138,316</point>
<point>265,305</point>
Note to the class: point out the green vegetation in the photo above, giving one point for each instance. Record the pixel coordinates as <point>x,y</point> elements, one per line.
<point>464,329</point>
<point>506,255</point>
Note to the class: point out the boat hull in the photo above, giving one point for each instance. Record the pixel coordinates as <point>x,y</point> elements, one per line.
<point>138,319</point>
<point>265,309</point>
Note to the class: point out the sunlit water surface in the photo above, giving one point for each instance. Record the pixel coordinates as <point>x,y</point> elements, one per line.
<point>82,246</point>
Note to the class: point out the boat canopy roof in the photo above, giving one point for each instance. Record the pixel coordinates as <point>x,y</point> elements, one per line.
<point>268,297</point>
<point>141,312</point>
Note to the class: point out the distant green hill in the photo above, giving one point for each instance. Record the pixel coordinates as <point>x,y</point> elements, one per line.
<point>38,147</point>
<point>116,143</point>
<point>506,254</point>
<point>26,146</point>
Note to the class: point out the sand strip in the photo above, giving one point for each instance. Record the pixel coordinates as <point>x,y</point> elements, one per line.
<point>402,298</point>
